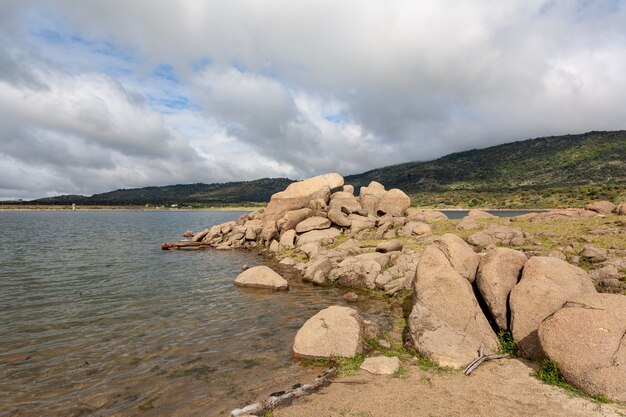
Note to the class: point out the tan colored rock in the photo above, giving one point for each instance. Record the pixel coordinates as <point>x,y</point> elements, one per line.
<point>348,189</point>
<point>312,223</point>
<point>360,273</point>
<point>393,202</point>
<point>460,255</point>
<point>370,197</point>
<point>323,237</point>
<point>287,239</point>
<point>545,285</point>
<point>389,246</point>
<point>188,233</point>
<point>620,210</point>
<point>274,246</point>
<point>602,207</point>
<point>415,214</point>
<point>320,267</point>
<point>497,234</point>
<point>351,297</point>
<point>594,254</point>
<point>498,273</point>
<point>381,365</point>
<point>292,218</point>
<point>587,338</point>
<point>422,229</point>
<point>339,218</point>
<point>298,195</point>
<point>334,331</point>
<point>467,223</point>
<point>200,235</point>
<point>446,324</point>
<point>343,200</point>
<point>480,214</point>
<point>269,231</point>
<point>359,223</point>
<point>319,207</point>
<point>261,277</point>
<point>559,214</point>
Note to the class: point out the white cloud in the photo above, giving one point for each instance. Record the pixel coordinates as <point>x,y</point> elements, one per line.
<point>282,88</point>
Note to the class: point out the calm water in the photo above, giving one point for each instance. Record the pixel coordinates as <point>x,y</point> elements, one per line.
<point>115,326</point>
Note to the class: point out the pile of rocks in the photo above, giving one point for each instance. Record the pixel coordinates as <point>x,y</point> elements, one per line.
<point>464,292</point>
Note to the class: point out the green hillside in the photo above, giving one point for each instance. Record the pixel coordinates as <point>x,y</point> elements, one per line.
<point>546,172</point>
<point>219,194</point>
<point>554,171</point>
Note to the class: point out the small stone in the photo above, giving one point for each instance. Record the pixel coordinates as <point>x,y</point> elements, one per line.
<point>351,297</point>
<point>261,277</point>
<point>381,365</point>
<point>389,246</point>
<point>188,233</point>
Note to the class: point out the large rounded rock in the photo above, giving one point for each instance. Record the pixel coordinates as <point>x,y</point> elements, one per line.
<point>287,240</point>
<point>446,324</point>
<point>370,197</point>
<point>339,218</point>
<point>602,207</point>
<point>261,277</point>
<point>292,218</point>
<point>621,209</point>
<point>587,338</point>
<point>359,223</point>
<point>318,236</point>
<point>480,214</point>
<point>389,246</point>
<point>357,272</point>
<point>343,200</point>
<point>558,214</point>
<point>498,273</point>
<point>500,234</point>
<point>298,195</point>
<point>312,223</point>
<point>334,331</point>
<point>460,255</point>
<point>394,202</point>
<point>419,215</point>
<point>545,285</point>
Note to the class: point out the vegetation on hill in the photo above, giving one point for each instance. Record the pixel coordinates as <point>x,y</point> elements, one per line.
<point>554,171</point>
<point>219,194</point>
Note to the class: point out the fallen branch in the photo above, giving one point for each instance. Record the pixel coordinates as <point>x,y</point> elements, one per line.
<point>179,245</point>
<point>283,397</point>
<point>482,358</point>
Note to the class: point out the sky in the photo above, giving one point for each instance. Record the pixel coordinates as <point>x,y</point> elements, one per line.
<point>99,95</point>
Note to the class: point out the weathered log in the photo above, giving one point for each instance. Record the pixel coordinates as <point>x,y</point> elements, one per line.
<point>182,245</point>
<point>283,397</point>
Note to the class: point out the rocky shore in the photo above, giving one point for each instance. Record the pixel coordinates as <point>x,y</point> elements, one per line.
<point>554,281</point>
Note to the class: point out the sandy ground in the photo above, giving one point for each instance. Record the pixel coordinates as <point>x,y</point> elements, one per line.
<point>499,388</point>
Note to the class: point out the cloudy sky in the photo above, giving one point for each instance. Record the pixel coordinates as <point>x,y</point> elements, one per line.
<point>99,95</point>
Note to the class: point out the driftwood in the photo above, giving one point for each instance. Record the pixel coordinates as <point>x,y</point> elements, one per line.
<point>284,397</point>
<point>182,245</point>
<point>481,358</point>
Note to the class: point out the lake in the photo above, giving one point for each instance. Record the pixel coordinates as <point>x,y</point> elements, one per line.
<point>115,326</point>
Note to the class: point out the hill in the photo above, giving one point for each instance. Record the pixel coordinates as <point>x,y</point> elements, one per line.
<point>553,171</point>
<point>219,194</point>
<point>545,172</point>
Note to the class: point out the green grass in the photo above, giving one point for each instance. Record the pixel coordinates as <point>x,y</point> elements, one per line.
<point>507,344</point>
<point>401,372</point>
<point>426,364</point>
<point>549,373</point>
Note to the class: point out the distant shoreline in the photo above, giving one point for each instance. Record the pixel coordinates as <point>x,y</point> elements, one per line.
<point>122,208</point>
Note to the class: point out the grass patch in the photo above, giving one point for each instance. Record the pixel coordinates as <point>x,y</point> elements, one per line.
<point>401,372</point>
<point>426,364</point>
<point>507,344</point>
<point>549,374</point>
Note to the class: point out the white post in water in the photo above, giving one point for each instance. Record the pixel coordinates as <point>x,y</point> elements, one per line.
<point>73,206</point>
